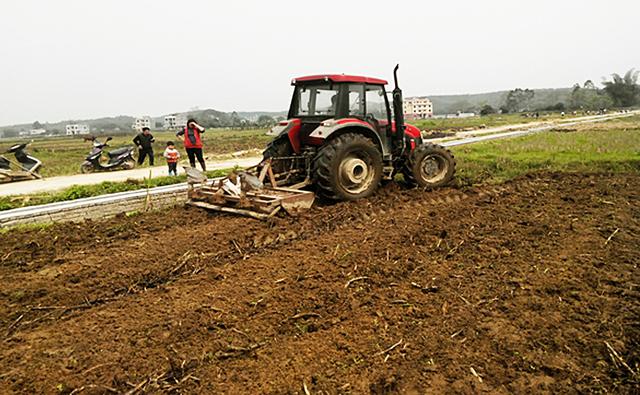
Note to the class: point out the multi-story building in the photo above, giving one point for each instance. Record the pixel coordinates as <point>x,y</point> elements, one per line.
<point>181,121</point>
<point>170,122</point>
<point>77,129</point>
<point>142,122</point>
<point>417,108</point>
<point>175,121</point>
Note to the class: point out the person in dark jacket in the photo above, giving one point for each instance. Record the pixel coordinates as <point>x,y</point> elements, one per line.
<point>144,141</point>
<point>193,142</point>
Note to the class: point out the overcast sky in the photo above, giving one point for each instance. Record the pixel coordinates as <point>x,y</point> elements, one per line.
<point>68,59</point>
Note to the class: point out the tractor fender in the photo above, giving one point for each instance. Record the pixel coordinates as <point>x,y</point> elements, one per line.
<point>291,128</point>
<point>332,128</point>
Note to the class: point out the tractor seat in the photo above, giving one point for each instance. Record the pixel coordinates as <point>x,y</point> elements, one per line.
<point>118,152</point>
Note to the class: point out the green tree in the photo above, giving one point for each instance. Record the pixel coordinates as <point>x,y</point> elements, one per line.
<point>265,120</point>
<point>624,91</point>
<point>588,97</point>
<point>487,109</point>
<point>519,99</point>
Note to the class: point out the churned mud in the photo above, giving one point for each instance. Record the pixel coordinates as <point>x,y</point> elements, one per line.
<point>530,286</point>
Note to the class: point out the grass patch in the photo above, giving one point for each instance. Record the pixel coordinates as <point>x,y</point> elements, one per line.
<point>589,150</point>
<point>492,120</point>
<point>85,191</point>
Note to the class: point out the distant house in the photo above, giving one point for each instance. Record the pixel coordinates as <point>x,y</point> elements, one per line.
<point>169,122</point>
<point>142,122</point>
<point>459,114</point>
<point>175,121</point>
<point>417,108</point>
<point>75,128</point>
<point>37,132</point>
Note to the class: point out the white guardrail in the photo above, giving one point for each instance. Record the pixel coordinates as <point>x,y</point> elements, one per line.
<point>143,199</point>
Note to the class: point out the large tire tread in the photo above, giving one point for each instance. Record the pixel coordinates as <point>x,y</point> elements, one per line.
<point>408,169</point>
<point>324,160</point>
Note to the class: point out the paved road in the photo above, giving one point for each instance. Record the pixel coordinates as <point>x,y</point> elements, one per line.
<point>57,183</point>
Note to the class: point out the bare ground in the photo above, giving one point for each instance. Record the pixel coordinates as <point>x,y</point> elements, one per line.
<point>523,287</point>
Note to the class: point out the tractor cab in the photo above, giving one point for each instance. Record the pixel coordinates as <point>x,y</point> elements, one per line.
<point>323,100</point>
<point>318,98</point>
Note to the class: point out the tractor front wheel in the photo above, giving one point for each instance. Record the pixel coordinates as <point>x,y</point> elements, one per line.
<point>430,166</point>
<point>348,167</point>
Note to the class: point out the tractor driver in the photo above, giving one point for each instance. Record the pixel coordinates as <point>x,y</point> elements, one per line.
<point>334,106</point>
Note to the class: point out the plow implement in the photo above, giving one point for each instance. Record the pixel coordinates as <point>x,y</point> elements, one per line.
<point>245,193</point>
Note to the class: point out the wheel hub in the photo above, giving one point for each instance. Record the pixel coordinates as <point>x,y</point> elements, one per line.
<point>355,170</point>
<point>433,168</point>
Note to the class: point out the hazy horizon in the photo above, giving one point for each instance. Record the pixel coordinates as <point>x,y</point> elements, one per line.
<point>71,59</point>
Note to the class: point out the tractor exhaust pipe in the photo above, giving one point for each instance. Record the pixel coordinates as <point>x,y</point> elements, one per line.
<point>398,115</point>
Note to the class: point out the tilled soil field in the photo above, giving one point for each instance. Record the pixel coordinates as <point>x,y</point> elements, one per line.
<point>530,286</point>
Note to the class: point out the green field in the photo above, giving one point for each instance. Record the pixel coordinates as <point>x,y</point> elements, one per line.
<point>64,155</point>
<point>489,121</point>
<point>611,146</point>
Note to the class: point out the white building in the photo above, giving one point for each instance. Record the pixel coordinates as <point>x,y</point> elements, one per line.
<point>142,122</point>
<point>77,129</point>
<point>175,121</point>
<point>417,107</point>
<point>181,121</point>
<point>37,132</point>
<point>170,122</point>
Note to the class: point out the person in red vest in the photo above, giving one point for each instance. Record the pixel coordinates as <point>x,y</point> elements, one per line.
<point>193,142</point>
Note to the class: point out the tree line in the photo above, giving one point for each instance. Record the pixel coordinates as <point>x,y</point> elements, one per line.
<point>619,92</point>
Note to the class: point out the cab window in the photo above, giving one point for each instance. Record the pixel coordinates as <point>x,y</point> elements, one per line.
<point>356,100</point>
<point>317,100</point>
<point>376,105</point>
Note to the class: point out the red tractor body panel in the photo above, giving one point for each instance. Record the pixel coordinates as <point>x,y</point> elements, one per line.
<point>339,78</point>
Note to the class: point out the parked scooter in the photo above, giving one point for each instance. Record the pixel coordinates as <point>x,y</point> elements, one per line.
<point>119,159</point>
<point>25,168</point>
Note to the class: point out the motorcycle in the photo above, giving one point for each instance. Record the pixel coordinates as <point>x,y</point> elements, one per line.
<point>119,159</point>
<point>26,167</point>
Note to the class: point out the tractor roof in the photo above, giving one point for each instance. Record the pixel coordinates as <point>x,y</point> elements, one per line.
<point>339,78</point>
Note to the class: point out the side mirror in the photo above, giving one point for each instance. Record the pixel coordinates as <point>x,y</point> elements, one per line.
<point>109,139</point>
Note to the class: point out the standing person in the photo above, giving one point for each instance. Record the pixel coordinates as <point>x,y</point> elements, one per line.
<point>172,155</point>
<point>144,141</point>
<point>193,142</point>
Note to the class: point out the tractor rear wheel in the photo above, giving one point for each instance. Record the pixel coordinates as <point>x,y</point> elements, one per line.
<point>348,167</point>
<point>430,166</point>
<point>277,148</point>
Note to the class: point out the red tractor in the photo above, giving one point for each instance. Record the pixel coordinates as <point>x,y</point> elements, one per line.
<point>342,136</point>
